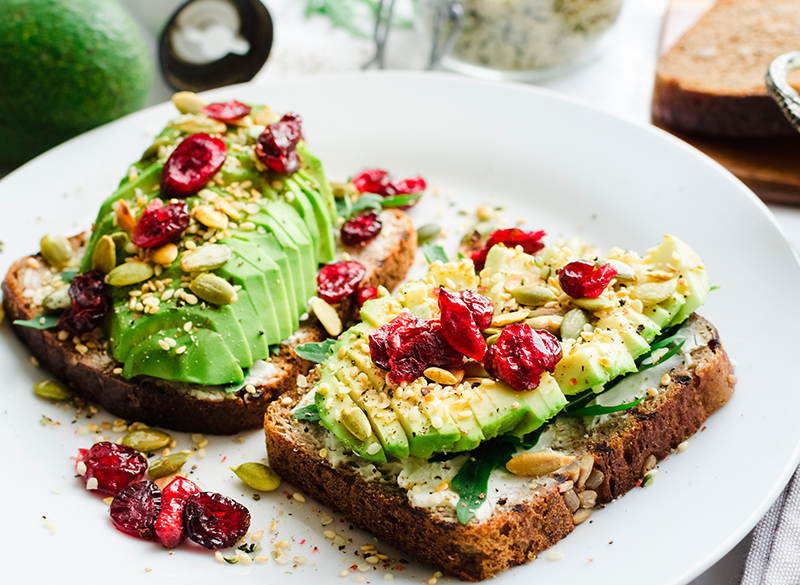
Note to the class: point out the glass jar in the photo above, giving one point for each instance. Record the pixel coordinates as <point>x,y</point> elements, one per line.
<point>524,40</point>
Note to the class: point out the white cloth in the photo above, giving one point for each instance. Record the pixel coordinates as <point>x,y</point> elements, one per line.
<point>774,557</point>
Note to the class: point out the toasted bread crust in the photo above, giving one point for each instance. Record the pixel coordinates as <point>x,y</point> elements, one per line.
<point>517,533</point>
<point>170,405</point>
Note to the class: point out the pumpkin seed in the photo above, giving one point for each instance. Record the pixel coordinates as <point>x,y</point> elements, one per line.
<point>53,390</point>
<point>532,295</point>
<point>104,256</point>
<point>258,476</point>
<point>601,303</point>
<point>327,315</point>
<point>129,273</point>
<point>188,102</point>
<point>355,421</point>
<point>428,232</point>
<point>56,250</point>
<point>572,324</point>
<point>210,217</point>
<point>549,323</point>
<point>165,255</point>
<point>153,150</point>
<point>168,464</point>
<point>509,318</point>
<point>206,258</point>
<point>145,440</point>
<point>195,123</point>
<point>121,240</point>
<point>444,377</point>
<point>538,463</point>
<point>492,339</point>
<point>213,289</point>
<point>624,272</point>
<point>125,219</point>
<point>57,300</point>
<point>651,293</point>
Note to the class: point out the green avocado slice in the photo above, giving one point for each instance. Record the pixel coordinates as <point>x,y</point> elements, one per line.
<point>302,205</point>
<point>327,247</point>
<point>295,227</point>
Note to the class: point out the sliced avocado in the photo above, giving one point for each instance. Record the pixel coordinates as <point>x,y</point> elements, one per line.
<point>468,427</point>
<point>543,404</point>
<point>509,404</point>
<point>377,312</point>
<point>313,172</point>
<point>423,438</point>
<point>677,253</point>
<point>295,227</point>
<point>327,248</point>
<point>489,416</point>
<point>593,363</point>
<point>365,364</point>
<point>447,431</point>
<point>628,322</point>
<point>302,205</point>
<point>666,312</point>
<point>254,333</point>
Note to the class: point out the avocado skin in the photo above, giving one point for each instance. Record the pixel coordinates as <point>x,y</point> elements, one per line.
<point>69,66</point>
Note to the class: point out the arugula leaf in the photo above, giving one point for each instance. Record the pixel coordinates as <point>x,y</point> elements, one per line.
<point>343,206</point>
<point>310,413</point>
<point>315,351</point>
<point>68,275</point>
<point>434,253</point>
<point>275,349</point>
<point>472,480</point>
<point>400,200</point>
<point>598,409</point>
<point>713,288</point>
<point>41,322</point>
<point>236,386</point>
<point>366,201</point>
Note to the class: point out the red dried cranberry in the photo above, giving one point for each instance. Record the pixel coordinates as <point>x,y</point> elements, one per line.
<point>215,521</point>
<point>521,355</point>
<point>531,243</point>
<point>480,307</point>
<point>231,111</point>
<point>90,303</point>
<point>581,280</point>
<point>339,280</point>
<point>410,185</point>
<point>366,294</point>
<point>192,164</point>
<point>379,346</point>
<point>378,181</point>
<point>458,326</point>
<point>277,145</point>
<point>169,526</point>
<point>114,466</point>
<point>135,509</point>
<point>361,229</point>
<point>160,225</point>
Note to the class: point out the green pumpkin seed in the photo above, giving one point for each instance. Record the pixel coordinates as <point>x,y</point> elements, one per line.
<point>550,323</point>
<point>491,331</point>
<point>258,476</point>
<point>169,464</point>
<point>129,273</point>
<point>206,258</point>
<point>57,300</point>
<point>651,293</point>
<point>624,272</point>
<point>572,324</point>
<point>213,289</point>
<point>53,390</point>
<point>532,295</point>
<point>327,315</point>
<point>492,339</point>
<point>104,256</point>
<point>145,440</point>
<point>153,150</point>
<point>598,304</point>
<point>56,250</point>
<point>188,102</point>
<point>428,232</point>
<point>121,240</point>
<point>356,422</point>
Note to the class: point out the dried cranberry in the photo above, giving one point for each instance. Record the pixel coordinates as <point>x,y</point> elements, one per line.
<point>480,306</point>
<point>361,229</point>
<point>521,355</point>
<point>192,164</point>
<point>458,326</point>
<point>277,145</point>
<point>231,111</point>
<point>581,280</point>
<point>169,526</point>
<point>90,303</point>
<point>339,280</point>
<point>135,509</point>
<point>366,294</point>
<point>378,181</point>
<point>531,243</point>
<point>114,466</point>
<point>379,345</point>
<point>160,225</point>
<point>215,521</point>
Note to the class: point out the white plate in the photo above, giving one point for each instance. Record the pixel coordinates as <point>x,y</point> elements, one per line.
<point>561,166</point>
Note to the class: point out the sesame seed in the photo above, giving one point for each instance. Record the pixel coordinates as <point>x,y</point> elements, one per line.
<point>388,576</point>
<point>665,379</point>
<point>202,444</point>
<point>180,350</point>
<point>191,299</point>
<point>732,379</point>
<point>373,560</point>
<point>282,559</point>
<point>273,527</point>
<point>261,559</point>
<point>344,573</point>
<point>360,578</point>
<point>163,344</point>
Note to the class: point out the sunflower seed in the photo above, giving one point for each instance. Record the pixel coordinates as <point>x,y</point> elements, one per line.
<point>538,463</point>
<point>327,315</point>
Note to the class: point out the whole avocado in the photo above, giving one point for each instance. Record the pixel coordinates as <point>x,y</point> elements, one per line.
<point>66,66</point>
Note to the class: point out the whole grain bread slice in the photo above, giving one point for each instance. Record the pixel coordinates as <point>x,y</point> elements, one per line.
<point>85,365</point>
<point>712,81</point>
<point>612,457</point>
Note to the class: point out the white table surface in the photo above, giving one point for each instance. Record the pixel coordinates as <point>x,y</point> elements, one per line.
<point>620,81</point>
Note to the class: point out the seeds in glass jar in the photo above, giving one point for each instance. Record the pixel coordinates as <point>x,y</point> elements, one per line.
<point>258,476</point>
<point>206,258</point>
<point>145,440</point>
<point>125,219</point>
<point>168,464</point>
<point>53,390</point>
<point>104,255</point>
<point>57,300</point>
<point>56,250</point>
<point>164,255</point>
<point>213,289</point>
<point>129,273</point>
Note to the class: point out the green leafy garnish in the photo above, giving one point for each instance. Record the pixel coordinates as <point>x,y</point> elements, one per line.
<point>40,322</point>
<point>366,201</point>
<point>236,386</point>
<point>314,351</point>
<point>598,409</point>
<point>434,253</point>
<point>713,288</point>
<point>310,413</point>
<point>68,275</point>
<point>275,349</point>
<point>400,200</point>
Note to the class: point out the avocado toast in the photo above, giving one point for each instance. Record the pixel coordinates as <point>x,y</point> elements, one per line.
<point>473,467</point>
<point>182,307</point>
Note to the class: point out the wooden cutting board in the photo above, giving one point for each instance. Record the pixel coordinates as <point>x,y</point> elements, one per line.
<point>769,166</point>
